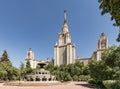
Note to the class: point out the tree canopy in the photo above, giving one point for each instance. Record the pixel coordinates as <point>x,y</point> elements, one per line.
<point>108,68</point>
<point>7,70</point>
<point>4,56</point>
<point>113,8</point>
<point>75,72</point>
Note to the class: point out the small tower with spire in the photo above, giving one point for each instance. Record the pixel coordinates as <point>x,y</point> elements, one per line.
<point>102,42</point>
<point>30,54</point>
<point>30,58</point>
<point>102,46</point>
<point>64,51</point>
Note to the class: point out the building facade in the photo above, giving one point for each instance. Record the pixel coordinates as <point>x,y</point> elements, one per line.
<point>64,50</point>
<point>33,62</point>
<point>102,46</point>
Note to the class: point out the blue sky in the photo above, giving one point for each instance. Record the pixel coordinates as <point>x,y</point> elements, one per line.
<point>35,24</point>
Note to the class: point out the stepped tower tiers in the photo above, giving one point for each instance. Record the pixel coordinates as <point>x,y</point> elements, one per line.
<point>64,50</point>
<point>102,46</point>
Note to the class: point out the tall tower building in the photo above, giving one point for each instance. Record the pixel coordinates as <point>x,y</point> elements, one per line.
<point>102,46</point>
<point>64,50</point>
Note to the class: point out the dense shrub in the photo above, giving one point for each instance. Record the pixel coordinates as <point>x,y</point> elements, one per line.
<point>108,68</point>
<point>116,85</point>
<point>109,84</point>
<point>112,84</point>
<point>84,77</point>
<point>75,72</point>
<point>75,78</point>
<point>91,81</point>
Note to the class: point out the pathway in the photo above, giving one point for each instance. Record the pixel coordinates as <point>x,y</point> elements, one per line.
<point>72,85</point>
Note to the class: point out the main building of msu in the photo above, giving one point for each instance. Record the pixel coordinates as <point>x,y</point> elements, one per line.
<point>64,50</point>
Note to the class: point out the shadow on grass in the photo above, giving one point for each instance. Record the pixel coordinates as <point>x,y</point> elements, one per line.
<point>87,85</point>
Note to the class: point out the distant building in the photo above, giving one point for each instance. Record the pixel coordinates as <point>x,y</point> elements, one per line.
<point>84,60</point>
<point>64,50</point>
<point>102,46</point>
<point>33,62</point>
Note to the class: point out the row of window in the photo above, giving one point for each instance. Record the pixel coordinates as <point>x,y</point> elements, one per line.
<point>38,79</point>
<point>42,72</point>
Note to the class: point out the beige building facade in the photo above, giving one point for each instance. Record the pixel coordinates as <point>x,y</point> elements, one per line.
<point>33,62</point>
<point>64,50</point>
<point>102,46</point>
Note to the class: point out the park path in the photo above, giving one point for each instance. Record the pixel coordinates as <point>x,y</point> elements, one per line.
<point>71,85</point>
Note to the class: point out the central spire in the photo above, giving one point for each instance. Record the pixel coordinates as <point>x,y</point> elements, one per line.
<point>65,26</point>
<point>65,16</point>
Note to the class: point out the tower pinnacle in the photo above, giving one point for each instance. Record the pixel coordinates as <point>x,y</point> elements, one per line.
<point>65,16</point>
<point>65,26</point>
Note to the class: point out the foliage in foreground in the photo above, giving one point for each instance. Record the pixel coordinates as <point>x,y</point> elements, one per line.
<point>106,69</point>
<point>75,72</point>
<point>113,8</point>
<point>7,71</point>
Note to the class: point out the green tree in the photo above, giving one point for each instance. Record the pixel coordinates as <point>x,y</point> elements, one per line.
<point>111,57</point>
<point>28,64</point>
<point>113,8</point>
<point>3,73</point>
<point>49,67</point>
<point>96,70</point>
<point>71,69</point>
<point>8,71</point>
<point>75,78</point>
<point>67,76</point>
<point>68,72</point>
<point>4,57</point>
<point>6,68</point>
<point>22,71</point>
<point>28,69</point>
<point>108,68</point>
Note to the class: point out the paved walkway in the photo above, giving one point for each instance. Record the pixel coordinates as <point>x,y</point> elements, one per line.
<point>1,84</point>
<point>72,85</point>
